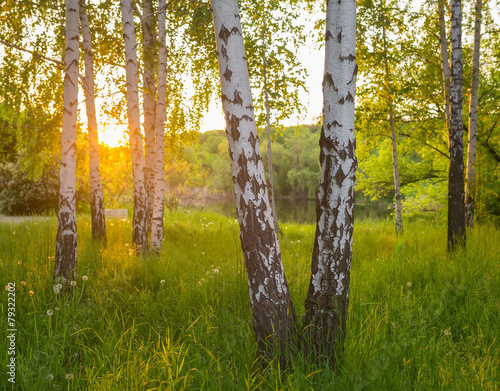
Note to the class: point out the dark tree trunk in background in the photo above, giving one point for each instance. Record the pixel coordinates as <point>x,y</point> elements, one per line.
<point>328,295</point>
<point>470,187</point>
<point>96,194</point>
<point>456,206</point>
<point>273,313</point>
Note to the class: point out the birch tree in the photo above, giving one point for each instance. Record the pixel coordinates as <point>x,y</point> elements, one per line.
<point>328,295</point>
<point>65,258</point>
<point>472,138</point>
<point>159,188</point>
<point>148,22</point>
<point>140,219</point>
<point>96,194</point>
<point>456,206</point>
<point>273,312</point>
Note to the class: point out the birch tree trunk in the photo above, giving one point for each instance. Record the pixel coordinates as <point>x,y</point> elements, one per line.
<point>140,220</point>
<point>65,258</point>
<point>472,139</point>
<point>328,295</point>
<point>149,99</point>
<point>445,63</point>
<point>456,206</point>
<point>159,193</point>
<point>273,313</point>
<point>397,187</point>
<point>96,194</point>
<point>268,131</point>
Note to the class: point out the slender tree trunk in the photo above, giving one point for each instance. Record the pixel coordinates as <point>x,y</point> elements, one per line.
<point>456,206</point>
<point>268,131</point>
<point>65,258</point>
<point>140,221</point>
<point>445,63</point>
<point>159,195</point>
<point>328,295</point>
<point>472,140</point>
<point>397,187</point>
<point>273,313</point>
<point>96,194</point>
<point>149,99</point>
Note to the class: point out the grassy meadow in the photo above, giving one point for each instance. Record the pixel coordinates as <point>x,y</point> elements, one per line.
<point>419,318</point>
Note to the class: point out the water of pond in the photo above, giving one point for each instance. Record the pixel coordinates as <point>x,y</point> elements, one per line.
<point>303,211</point>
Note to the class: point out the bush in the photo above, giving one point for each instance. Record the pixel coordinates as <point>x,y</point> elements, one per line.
<point>20,195</point>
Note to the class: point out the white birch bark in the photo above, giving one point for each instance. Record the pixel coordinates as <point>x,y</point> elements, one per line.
<point>66,243</point>
<point>96,193</point>
<point>456,205</point>
<point>472,138</point>
<point>328,295</point>
<point>140,220</point>
<point>159,193</point>
<point>272,309</point>
<point>445,63</point>
<point>149,99</point>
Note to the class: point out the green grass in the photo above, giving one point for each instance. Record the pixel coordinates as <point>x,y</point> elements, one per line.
<point>419,317</point>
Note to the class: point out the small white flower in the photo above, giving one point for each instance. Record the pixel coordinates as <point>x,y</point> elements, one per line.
<point>216,271</point>
<point>59,286</point>
<point>50,377</point>
<point>408,284</point>
<point>57,308</point>
<point>162,282</point>
<point>49,312</point>
<point>447,332</point>
<point>72,283</point>
<point>85,278</point>
<point>69,376</point>
<point>56,289</point>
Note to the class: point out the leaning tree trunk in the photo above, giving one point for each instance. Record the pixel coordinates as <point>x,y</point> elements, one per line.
<point>273,313</point>
<point>268,131</point>
<point>445,63</point>
<point>65,258</point>
<point>159,194</point>
<point>96,194</point>
<point>397,187</point>
<point>140,220</point>
<point>472,140</point>
<point>328,295</point>
<point>149,99</point>
<point>456,206</point>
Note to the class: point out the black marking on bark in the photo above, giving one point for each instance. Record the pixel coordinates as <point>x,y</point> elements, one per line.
<point>328,35</point>
<point>343,154</point>
<point>349,58</point>
<point>234,124</point>
<point>242,177</point>
<point>224,34</point>
<point>339,177</point>
<point>224,53</point>
<point>228,73</point>
<point>349,97</point>
<point>252,140</point>
<point>354,74</point>
<point>250,106</point>
<point>328,80</point>
<point>339,35</point>
<point>350,149</point>
<point>237,98</point>
<point>334,124</point>
<point>237,16</point>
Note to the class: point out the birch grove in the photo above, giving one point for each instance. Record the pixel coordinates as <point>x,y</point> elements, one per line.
<point>66,243</point>
<point>328,294</point>
<point>272,309</point>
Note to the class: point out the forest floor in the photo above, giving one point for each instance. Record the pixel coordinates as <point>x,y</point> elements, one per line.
<point>419,317</point>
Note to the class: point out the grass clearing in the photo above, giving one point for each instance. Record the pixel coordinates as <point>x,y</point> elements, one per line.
<point>419,317</point>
